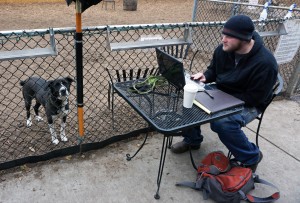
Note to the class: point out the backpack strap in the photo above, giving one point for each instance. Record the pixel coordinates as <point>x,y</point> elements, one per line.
<point>252,198</point>
<point>195,186</point>
<point>189,184</point>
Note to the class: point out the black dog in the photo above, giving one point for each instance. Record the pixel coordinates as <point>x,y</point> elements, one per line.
<point>53,95</point>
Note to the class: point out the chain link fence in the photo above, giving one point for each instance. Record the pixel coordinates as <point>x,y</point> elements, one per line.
<point>21,144</point>
<point>217,10</point>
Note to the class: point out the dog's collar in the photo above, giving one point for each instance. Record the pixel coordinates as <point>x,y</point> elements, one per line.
<point>50,101</point>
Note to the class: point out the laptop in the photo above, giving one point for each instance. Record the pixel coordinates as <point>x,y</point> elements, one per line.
<point>172,69</point>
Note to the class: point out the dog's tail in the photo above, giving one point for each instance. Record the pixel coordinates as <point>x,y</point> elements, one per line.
<point>23,82</point>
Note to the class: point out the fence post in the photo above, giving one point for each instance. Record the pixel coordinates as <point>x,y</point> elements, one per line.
<point>235,8</point>
<point>294,81</point>
<point>195,10</point>
<point>79,71</point>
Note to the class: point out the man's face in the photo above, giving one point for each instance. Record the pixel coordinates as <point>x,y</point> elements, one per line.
<point>231,44</point>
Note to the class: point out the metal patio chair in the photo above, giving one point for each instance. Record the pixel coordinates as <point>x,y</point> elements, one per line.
<point>122,75</point>
<point>178,51</point>
<point>276,90</point>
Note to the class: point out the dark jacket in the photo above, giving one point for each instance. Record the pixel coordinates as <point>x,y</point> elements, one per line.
<point>251,80</point>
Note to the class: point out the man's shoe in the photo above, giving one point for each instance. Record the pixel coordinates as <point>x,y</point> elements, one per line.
<point>182,147</point>
<point>254,166</point>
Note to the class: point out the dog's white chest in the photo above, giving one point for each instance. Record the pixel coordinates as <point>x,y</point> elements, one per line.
<point>63,111</point>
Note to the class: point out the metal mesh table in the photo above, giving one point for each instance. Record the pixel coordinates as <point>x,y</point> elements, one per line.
<point>163,110</point>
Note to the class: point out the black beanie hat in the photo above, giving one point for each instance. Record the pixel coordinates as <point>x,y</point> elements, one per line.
<point>239,26</point>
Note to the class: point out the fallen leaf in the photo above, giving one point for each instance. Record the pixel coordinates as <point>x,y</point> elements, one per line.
<point>68,157</point>
<point>24,168</point>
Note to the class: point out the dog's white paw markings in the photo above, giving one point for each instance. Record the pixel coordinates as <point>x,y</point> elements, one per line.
<point>29,123</point>
<point>38,118</point>
<point>55,141</point>
<point>64,138</point>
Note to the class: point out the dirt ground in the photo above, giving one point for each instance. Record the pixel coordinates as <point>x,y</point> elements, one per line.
<point>20,16</point>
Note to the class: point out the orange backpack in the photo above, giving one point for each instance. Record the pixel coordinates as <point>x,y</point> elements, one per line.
<point>223,182</point>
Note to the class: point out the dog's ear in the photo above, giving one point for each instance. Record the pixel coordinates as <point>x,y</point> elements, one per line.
<point>49,83</point>
<point>69,79</point>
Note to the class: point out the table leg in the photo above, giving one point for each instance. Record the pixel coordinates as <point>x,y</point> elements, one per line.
<point>169,142</point>
<point>128,157</point>
<point>161,164</point>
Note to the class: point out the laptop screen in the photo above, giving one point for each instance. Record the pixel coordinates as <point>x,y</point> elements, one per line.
<point>171,68</point>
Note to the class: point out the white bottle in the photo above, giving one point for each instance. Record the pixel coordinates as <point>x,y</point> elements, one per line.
<point>290,12</point>
<point>264,14</point>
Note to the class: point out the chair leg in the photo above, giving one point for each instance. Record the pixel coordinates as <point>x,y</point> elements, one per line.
<point>257,131</point>
<point>192,159</point>
<point>109,95</point>
<point>258,127</point>
<point>170,142</point>
<point>111,103</point>
<point>112,110</point>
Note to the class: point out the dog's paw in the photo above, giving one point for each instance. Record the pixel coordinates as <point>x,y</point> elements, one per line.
<point>64,138</point>
<point>38,118</point>
<point>55,141</point>
<point>29,123</point>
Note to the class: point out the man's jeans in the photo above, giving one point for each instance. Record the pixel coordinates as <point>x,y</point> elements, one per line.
<point>231,135</point>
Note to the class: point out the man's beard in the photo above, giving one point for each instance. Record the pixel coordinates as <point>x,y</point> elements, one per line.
<point>234,48</point>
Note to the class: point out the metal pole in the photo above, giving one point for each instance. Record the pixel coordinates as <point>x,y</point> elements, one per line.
<point>294,81</point>
<point>79,72</point>
<point>195,8</point>
<point>235,8</point>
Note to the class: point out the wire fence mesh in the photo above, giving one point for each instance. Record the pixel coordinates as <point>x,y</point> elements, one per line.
<point>18,142</point>
<point>216,10</point>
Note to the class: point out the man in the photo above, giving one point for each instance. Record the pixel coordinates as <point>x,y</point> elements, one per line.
<point>243,67</point>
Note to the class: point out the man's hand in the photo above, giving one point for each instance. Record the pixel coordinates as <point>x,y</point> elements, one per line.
<point>199,76</point>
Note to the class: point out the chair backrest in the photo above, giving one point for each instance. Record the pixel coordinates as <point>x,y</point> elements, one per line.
<point>178,51</point>
<point>121,75</point>
<point>277,88</point>
<point>192,60</point>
